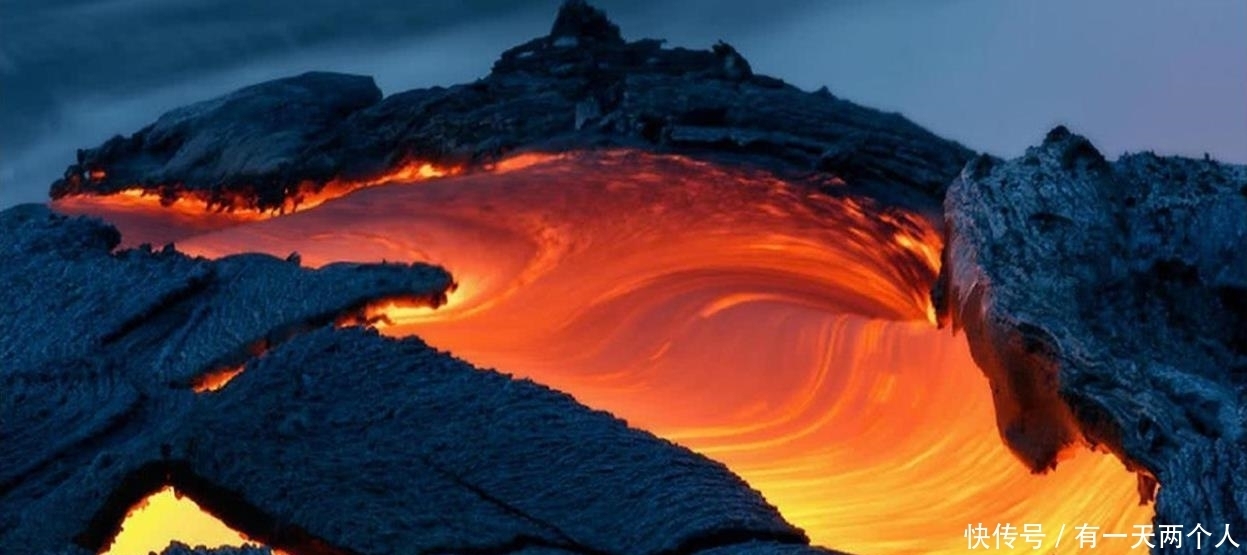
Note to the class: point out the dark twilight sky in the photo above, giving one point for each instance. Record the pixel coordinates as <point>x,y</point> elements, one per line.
<point>1163,75</point>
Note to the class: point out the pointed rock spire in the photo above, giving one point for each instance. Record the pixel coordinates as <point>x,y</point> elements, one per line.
<point>578,20</point>
<point>735,66</point>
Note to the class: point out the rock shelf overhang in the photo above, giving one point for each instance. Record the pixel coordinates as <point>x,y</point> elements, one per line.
<point>1107,303</point>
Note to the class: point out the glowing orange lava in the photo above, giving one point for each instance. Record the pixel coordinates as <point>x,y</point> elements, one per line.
<point>149,218</point>
<point>215,380</point>
<point>779,330</point>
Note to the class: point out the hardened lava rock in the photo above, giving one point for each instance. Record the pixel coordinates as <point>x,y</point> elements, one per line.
<point>332,440</point>
<point>581,86</point>
<point>1107,303</point>
<point>178,548</point>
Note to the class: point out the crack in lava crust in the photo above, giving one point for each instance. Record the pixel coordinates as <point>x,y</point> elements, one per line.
<point>781,331</point>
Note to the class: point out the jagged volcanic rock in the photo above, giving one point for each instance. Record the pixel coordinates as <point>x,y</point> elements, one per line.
<point>73,299</point>
<point>1108,301</point>
<point>578,87</point>
<point>252,139</point>
<point>333,441</point>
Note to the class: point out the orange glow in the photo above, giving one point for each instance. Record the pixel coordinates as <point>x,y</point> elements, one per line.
<point>149,218</point>
<point>97,175</point>
<point>166,516</point>
<point>525,160</point>
<point>215,380</point>
<point>782,331</point>
<point>145,220</point>
<point>410,171</point>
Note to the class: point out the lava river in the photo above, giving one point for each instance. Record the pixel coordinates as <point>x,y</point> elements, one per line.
<point>783,332</point>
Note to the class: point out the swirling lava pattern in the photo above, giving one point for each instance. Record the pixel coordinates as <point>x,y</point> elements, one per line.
<point>782,331</point>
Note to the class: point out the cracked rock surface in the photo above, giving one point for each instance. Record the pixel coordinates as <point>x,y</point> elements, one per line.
<point>1107,303</point>
<point>333,441</point>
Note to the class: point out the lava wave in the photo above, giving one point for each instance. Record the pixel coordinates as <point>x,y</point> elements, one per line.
<point>779,329</point>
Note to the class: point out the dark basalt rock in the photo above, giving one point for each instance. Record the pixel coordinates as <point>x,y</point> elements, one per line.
<point>71,299</point>
<point>177,548</point>
<point>1105,301</point>
<point>578,20</point>
<point>252,140</point>
<point>333,441</point>
<point>581,86</point>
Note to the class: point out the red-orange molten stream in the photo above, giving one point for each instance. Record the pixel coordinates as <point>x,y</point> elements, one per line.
<point>215,380</point>
<point>781,331</point>
<point>148,218</point>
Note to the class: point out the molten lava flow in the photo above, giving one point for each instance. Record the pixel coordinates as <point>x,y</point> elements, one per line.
<point>166,516</point>
<point>779,330</point>
<point>216,379</point>
<point>149,217</point>
<point>146,220</point>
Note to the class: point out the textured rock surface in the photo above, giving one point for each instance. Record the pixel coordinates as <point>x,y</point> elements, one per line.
<point>1108,301</point>
<point>183,549</point>
<point>578,87</point>
<point>252,138</point>
<point>334,441</point>
<point>193,314</point>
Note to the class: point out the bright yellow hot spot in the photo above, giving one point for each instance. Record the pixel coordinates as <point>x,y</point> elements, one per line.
<point>166,516</point>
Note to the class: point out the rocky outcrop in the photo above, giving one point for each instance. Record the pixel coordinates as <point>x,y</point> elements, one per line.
<point>252,139</point>
<point>1107,303</point>
<point>579,87</point>
<point>334,440</point>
